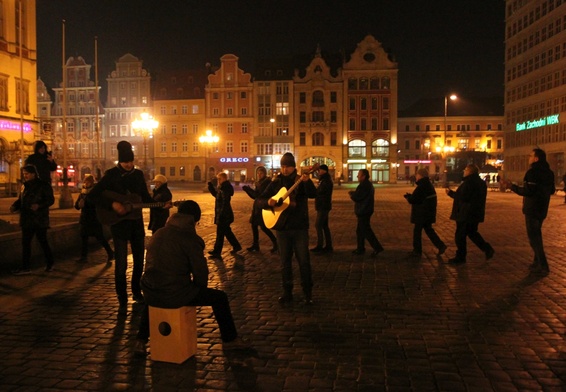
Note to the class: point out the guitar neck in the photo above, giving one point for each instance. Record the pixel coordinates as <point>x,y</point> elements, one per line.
<point>147,205</point>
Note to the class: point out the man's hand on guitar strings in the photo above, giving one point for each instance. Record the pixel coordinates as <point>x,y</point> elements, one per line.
<point>279,202</point>
<point>119,208</point>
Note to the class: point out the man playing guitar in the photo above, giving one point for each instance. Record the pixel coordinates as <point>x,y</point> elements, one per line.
<point>120,184</point>
<point>292,226</point>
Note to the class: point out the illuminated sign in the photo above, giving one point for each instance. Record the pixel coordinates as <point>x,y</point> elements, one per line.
<point>541,122</point>
<point>14,126</point>
<point>234,160</point>
<point>417,161</point>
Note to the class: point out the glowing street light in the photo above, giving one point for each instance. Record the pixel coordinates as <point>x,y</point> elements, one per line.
<point>209,140</point>
<point>145,125</point>
<point>272,121</point>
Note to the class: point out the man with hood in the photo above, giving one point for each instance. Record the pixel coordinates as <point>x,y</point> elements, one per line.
<point>292,227</point>
<point>323,205</point>
<point>538,185</point>
<point>33,204</point>
<point>468,210</point>
<point>176,275</point>
<point>121,186</point>
<point>223,215</point>
<point>42,160</point>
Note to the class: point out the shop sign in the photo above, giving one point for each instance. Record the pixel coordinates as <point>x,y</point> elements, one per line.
<point>541,122</point>
<point>234,160</point>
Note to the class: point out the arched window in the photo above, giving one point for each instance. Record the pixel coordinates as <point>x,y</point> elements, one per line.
<point>363,84</point>
<point>317,99</point>
<point>352,84</point>
<point>385,83</point>
<point>357,149</point>
<point>380,148</point>
<point>374,83</point>
<point>318,139</point>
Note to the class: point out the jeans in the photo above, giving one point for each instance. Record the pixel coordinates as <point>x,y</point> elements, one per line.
<point>224,230</point>
<point>27,236</point>
<point>417,236</point>
<point>255,234</point>
<point>468,229</point>
<point>297,242</point>
<point>322,229</point>
<point>205,297</point>
<point>364,232</point>
<point>132,231</point>
<point>534,232</point>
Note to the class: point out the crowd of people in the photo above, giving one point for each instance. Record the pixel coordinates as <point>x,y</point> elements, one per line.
<point>173,271</point>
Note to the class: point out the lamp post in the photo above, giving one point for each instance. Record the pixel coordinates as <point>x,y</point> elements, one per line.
<point>272,121</point>
<point>452,97</point>
<point>208,139</point>
<point>145,125</point>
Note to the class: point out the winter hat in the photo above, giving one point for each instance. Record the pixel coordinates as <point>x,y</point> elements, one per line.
<point>190,207</point>
<point>422,172</point>
<point>323,167</point>
<point>31,169</point>
<point>288,160</point>
<point>125,153</point>
<point>160,178</point>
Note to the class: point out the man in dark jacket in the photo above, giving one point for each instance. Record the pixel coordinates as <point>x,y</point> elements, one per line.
<point>33,204</point>
<point>117,189</point>
<point>223,215</point>
<point>292,226</point>
<point>323,205</point>
<point>538,185</point>
<point>468,210</point>
<point>176,275</point>
<point>42,160</point>
<point>256,219</point>
<point>161,193</point>
<point>363,197</point>
<point>423,202</point>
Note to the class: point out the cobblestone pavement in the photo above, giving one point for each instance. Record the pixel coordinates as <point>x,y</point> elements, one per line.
<point>389,323</point>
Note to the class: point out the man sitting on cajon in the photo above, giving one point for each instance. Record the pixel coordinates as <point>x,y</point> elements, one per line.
<point>176,275</point>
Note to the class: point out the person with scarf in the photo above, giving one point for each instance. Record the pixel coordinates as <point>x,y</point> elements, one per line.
<point>90,225</point>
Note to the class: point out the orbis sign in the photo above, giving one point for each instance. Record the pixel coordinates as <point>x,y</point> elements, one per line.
<point>234,160</point>
<point>541,122</point>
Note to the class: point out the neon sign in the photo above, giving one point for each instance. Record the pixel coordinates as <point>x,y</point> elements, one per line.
<point>234,160</point>
<point>14,126</point>
<point>541,122</point>
<point>417,161</point>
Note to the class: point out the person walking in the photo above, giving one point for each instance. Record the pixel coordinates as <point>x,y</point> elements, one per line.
<point>90,225</point>
<point>292,225</point>
<point>42,160</point>
<point>423,203</point>
<point>468,210</point>
<point>363,197</point>
<point>223,215</point>
<point>538,186</point>
<point>118,188</point>
<point>36,196</point>
<point>323,205</point>
<point>161,193</point>
<point>176,275</point>
<point>256,218</point>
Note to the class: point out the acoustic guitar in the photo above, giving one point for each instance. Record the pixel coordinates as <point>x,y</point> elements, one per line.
<point>273,214</point>
<point>133,204</point>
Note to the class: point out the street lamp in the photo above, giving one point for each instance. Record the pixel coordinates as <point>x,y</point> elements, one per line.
<point>272,134</point>
<point>452,97</point>
<point>209,140</point>
<point>145,125</point>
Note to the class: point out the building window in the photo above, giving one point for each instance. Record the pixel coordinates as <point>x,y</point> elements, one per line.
<point>229,111</point>
<point>229,128</point>
<point>174,147</point>
<point>163,110</point>
<point>184,129</point>
<point>333,97</point>
<point>230,147</point>
<point>215,112</point>
<point>318,116</point>
<point>302,97</point>
<point>357,149</point>
<point>302,138</point>
<point>3,93</point>
<point>363,124</point>
<point>195,146</point>
<point>243,95</point>
<point>244,146</point>
<point>352,125</point>
<point>184,109</point>
<point>185,147</point>
<point>214,95</point>
<point>352,103</point>
<point>317,99</point>
<point>333,117</point>
<point>245,128</point>
<point>244,111</point>
<point>195,129</point>
<point>195,109</point>
<point>163,147</point>
<point>385,103</point>
<point>380,148</point>
<point>317,139</point>
<point>302,117</point>
<point>333,139</point>
<point>229,95</point>
<point>172,171</point>
<point>173,129</point>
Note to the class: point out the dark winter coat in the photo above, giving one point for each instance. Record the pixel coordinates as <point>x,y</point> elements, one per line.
<point>363,198</point>
<point>323,199</point>
<point>423,202</point>
<point>37,192</point>
<point>223,213</point>
<point>175,266</point>
<point>158,215</point>
<point>259,187</point>
<point>469,200</point>
<point>90,226</point>
<point>296,216</point>
<point>538,186</point>
<point>42,164</point>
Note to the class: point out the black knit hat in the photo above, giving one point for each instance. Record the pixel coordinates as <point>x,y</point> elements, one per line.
<point>125,153</point>
<point>31,169</point>
<point>288,160</point>
<point>190,207</point>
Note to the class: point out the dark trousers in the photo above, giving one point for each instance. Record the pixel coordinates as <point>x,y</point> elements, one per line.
<point>224,230</point>
<point>101,240</point>
<point>364,232</point>
<point>295,242</point>
<point>534,232</point>
<point>417,236</point>
<point>468,229</point>
<point>136,237</point>
<point>27,237</point>
<point>255,233</point>
<point>206,297</point>
<point>322,229</point>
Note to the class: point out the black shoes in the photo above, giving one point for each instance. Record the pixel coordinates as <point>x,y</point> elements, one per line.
<point>236,249</point>
<point>275,249</point>
<point>414,254</point>
<point>456,261</point>
<point>489,253</point>
<point>376,252</point>
<point>441,250</point>
<point>138,298</point>
<point>23,271</point>
<point>253,248</point>
<point>359,252</point>
<point>111,257</point>
<point>285,299</point>
<point>214,254</point>
<point>317,249</point>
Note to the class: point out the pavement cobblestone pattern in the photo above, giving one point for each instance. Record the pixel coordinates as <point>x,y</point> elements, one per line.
<point>384,324</point>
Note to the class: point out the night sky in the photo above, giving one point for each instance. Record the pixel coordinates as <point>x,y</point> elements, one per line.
<point>441,46</point>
